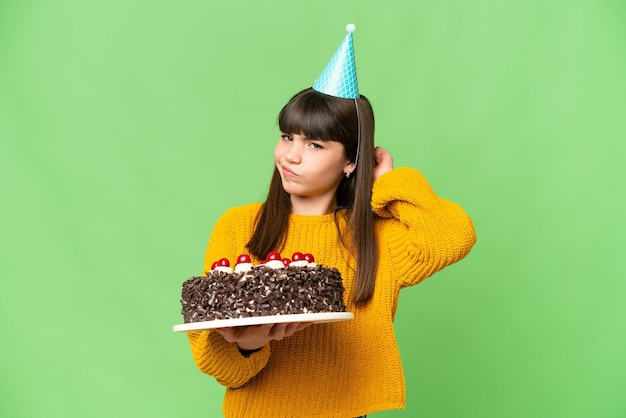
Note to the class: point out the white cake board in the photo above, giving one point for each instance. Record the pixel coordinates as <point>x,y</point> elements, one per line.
<point>316,318</point>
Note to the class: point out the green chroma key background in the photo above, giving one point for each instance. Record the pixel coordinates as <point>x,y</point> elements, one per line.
<point>128,127</point>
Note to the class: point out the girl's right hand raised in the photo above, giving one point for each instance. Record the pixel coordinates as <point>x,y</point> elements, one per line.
<point>383,162</point>
<point>256,336</point>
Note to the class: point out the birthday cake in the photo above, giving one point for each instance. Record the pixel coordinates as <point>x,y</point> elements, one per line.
<point>277,286</point>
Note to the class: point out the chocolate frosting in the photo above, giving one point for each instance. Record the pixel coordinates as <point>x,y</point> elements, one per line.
<point>262,291</point>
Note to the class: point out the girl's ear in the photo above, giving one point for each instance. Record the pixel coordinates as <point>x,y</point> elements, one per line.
<point>349,168</point>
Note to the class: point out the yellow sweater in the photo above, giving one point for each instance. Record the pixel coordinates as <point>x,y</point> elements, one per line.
<point>340,369</point>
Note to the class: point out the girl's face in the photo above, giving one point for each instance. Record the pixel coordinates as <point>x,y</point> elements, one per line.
<point>310,168</point>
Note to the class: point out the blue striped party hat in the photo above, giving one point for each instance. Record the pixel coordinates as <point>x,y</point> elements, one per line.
<point>339,77</point>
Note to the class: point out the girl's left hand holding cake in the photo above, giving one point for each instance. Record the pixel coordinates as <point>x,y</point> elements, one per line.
<point>254,337</point>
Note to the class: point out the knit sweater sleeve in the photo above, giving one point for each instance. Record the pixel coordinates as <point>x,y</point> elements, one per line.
<point>421,232</point>
<point>212,354</point>
<point>222,360</point>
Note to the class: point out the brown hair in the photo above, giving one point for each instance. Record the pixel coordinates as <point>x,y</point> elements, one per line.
<point>320,116</point>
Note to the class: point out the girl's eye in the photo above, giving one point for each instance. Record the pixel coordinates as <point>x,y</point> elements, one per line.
<point>315,145</point>
<point>286,137</point>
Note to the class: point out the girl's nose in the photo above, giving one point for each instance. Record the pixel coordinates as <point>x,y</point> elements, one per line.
<point>294,154</point>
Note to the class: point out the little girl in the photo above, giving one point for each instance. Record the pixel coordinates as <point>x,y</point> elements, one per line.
<point>335,195</point>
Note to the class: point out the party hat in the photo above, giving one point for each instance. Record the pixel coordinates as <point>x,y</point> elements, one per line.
<point>339,77</point>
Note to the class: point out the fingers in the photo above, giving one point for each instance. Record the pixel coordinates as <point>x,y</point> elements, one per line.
<point>280,331</point>
<point>261,334</point>
<point>264,330</point>
<point>227,333</point>
<point>383,162</point>
<point>379,154</point>
<point>244,334</point>
<point>303,325</point>
<point>382,158</point>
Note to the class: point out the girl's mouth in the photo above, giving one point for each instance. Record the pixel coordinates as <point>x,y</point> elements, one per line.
<point>288,173</point>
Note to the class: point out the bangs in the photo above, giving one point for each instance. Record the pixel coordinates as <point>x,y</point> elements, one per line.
<point>313,115</point>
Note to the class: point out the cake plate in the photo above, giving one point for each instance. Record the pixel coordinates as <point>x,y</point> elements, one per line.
<point>316,318</point>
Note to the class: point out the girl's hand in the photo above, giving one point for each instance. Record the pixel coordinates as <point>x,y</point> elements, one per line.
<point>383,162</point>
<point>256,336</point>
